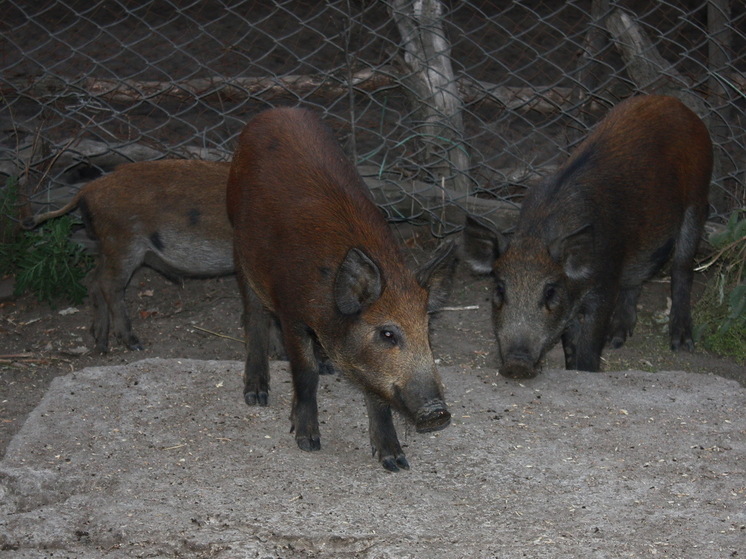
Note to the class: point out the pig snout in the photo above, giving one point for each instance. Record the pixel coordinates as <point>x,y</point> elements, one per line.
<point>433,416</point>
<point>422,402</point>
<point>518,369</point>
<point>518,363</point>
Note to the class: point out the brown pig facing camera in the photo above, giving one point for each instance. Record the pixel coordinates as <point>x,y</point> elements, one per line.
<point>168,214</point>
<point>313,249</point>
<point>631,197</point>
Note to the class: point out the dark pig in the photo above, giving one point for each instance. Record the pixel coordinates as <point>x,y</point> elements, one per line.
<point>632,196</point>
<point>312,248</point>
<point>169,215</point>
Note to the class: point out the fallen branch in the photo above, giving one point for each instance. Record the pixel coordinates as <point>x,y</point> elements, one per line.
<point>464,308</point>
<point>216,89</point>
<point>542,99</point>
<point>218,334</point>
<point>29,358</point>
<point>15,361</point>
<point>103,155</point>
<point>407,195</point>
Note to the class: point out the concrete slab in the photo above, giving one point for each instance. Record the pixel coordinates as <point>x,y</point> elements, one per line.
<point>161,458</point>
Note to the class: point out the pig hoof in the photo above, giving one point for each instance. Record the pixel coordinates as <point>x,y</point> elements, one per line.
<point>308,444</point>
<point>686,345</point>
<point>616,342</point>
<point>131,342</point>
<point>395,464</point>
<point>256,398</point>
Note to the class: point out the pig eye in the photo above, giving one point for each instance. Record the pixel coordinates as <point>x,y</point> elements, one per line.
<point>551,296</point>
<point>389,336</point>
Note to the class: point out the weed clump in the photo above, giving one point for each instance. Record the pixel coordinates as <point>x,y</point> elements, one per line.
<point>44,261</point>
<point>721,312</point>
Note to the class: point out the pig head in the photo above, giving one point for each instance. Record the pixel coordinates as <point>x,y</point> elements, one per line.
<point>539,291</point>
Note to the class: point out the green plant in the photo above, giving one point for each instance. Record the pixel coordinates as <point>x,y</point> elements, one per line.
<point>45,261</point>
<point>722,309</point>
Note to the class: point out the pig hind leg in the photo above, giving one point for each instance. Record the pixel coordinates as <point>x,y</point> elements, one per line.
<point>625,316</point>
<point>100,326</point>
<point>682,276</point>
<point>107,291</point>
<point>383,439</point>
<point>257,327</point>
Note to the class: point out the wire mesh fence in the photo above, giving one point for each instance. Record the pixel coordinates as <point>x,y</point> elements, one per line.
<point>447,107</point>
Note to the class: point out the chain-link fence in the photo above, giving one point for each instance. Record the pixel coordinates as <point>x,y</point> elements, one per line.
<point>445,106</point>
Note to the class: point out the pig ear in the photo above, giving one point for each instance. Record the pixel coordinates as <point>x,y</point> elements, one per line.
<point>482,244</point>
<point>575,252</point>
<point>358,283</point>
<point>436,275</point>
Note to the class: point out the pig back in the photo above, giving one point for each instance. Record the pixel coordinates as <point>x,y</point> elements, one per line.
<point>634,180</point>
<point>145,197</point>
<point>298,205</point>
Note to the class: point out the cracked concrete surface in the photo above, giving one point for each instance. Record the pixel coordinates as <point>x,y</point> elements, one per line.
<point>161,458</point>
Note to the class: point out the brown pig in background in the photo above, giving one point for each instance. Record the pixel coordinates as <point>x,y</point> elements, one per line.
<point>312,248</point>
<point>632,196</point>
<point>168,214</point>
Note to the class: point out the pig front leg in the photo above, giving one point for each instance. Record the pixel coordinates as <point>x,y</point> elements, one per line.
<point>585,336</point>
<point>383,439</point>
<point>570,343</point>
<point>625,316</point>
<point>585,353</point>
<point>304,367</point>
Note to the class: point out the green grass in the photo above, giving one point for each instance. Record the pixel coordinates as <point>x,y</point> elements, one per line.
<point>717,329</point>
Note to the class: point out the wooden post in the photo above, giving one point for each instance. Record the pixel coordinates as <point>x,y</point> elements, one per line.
<point>431,85</point>
<point>719,45</point>
<point>589,67</point>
